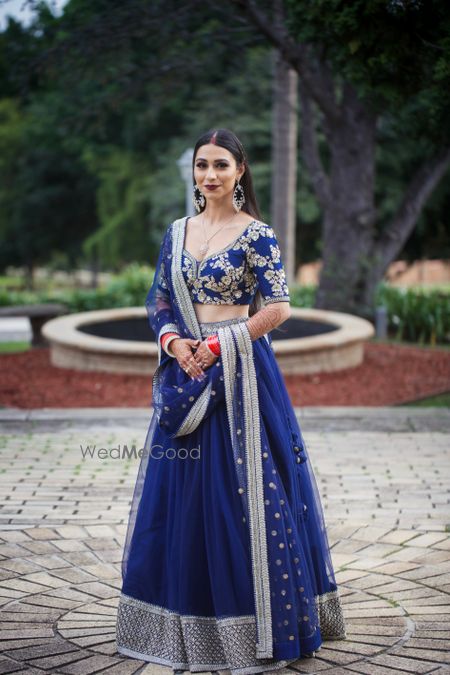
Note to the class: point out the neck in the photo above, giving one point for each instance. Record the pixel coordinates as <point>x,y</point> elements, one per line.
<point>217,214</point>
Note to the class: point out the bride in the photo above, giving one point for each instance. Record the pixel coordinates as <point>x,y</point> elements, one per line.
<point>226,562</point>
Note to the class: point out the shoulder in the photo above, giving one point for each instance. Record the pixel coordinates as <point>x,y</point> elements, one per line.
<point>173,227</point>
<point>259,230</point>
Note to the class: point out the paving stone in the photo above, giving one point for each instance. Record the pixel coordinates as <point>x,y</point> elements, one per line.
<point>100,590</point>
<point>440,656</point>
<point>435,634</point>
<point>429,643</point>
<point>55,646</point>
<point>333,656</point>
<point>72,532</point>
<point>73,575</point>
<point>403,663</point>
<point>69,545</point>
<point>108,648</point>
<point>10,551</point>
<point>397,536</point>
<point>14,535</point>
<point>19,632</point>
<point>53,663</point>
<point>395,568</point>
<point>126,667</point>
<point>7,666</point>
<point>415,605</point>
<point>81,558</point>
<point>370,669</point>
<point>19,566</point>
<point>433,557</point>
<point>429,539</point>
<point>39,547</point>
<point>49,562</point>
<point>89,665</point>
<point>386,517</point>
<point>23,608</point>
<point>49,580</point>
<point>75,594</point>
<point>47,601</point>
<point>20,585</point>
<point>370,533</point>
<point>444,545</point>
<point>41,533</point>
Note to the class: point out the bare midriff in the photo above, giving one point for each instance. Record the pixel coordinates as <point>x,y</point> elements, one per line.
<point>207,313</point>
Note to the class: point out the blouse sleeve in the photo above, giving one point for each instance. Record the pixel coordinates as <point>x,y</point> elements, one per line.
<point>264,258</point>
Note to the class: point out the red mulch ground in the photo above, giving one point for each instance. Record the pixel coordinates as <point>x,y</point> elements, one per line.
<point>390,374</point>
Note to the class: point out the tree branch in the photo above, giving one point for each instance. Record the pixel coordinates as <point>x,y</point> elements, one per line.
<point>319,178</point>
<point>316,78</point>
<point>416,194</point>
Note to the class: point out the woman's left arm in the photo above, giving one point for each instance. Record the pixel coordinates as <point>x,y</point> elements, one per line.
<point>268,318</point>
<point>264,259</point>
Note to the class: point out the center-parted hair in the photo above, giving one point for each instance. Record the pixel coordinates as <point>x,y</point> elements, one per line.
<point>228,140</point>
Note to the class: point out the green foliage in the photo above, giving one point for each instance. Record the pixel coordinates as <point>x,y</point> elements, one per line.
<point>123,205</point>
<point>417,315</point>
<point>129,289</point>
<point>45,193</point>
<point>391,50</point>
<point>302,296</point>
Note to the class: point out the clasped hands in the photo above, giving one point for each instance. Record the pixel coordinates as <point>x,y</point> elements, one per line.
<point>193,356</point>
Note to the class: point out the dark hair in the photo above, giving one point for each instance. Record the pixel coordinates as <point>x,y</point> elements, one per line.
<point>227,139</point>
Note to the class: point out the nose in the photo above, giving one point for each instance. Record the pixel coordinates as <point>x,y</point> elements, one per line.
<point>210,174</point>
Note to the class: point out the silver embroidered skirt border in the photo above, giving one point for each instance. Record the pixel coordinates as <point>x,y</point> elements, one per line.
<point>202,643</point>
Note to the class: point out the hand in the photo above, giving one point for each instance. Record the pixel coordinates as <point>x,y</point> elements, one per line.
<point>182,348</point>
<point>203,356</point>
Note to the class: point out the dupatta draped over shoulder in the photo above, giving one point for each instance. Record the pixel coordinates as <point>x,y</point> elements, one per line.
<point>291,577</point>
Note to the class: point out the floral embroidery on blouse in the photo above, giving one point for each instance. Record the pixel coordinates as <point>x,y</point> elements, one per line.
<point>234,274</point>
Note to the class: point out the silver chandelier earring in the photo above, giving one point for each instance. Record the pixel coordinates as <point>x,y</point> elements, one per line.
<point>198,199</point>
<point>238,196</point>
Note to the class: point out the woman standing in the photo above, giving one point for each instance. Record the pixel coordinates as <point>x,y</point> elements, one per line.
<point>226,563</point>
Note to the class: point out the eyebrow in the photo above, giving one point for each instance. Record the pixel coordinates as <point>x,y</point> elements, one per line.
<point>216,160</point>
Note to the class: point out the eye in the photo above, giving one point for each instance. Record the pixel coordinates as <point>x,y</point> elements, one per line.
<point>202,165</point>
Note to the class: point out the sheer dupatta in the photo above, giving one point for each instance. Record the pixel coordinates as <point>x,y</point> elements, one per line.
<point>287,614</point>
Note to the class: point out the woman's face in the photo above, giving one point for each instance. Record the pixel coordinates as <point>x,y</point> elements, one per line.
<point>216,166</point>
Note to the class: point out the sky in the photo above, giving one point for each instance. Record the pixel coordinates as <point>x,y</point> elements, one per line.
<point>21,11</point>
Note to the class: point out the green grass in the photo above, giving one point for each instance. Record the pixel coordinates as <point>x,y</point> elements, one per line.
<point>11,282</point>
<point>11,347</point>
<point>439,401</point>
<point>392,340</point>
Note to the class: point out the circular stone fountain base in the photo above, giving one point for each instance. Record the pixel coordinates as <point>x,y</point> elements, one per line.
<point>121,341</point>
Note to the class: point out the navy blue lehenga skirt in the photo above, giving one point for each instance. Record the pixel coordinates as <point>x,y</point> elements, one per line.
<point>187,597</point>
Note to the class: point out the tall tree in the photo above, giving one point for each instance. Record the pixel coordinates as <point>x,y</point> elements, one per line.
<point>359,64</point>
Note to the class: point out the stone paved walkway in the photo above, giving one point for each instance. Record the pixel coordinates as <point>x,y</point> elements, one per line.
<point>383,474</point>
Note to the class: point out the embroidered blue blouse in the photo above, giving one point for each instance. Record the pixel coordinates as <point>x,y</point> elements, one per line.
<point>232,275</point>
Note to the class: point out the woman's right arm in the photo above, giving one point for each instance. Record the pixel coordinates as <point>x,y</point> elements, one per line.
<point>159,301</point>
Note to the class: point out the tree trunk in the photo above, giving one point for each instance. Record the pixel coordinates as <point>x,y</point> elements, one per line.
<point>284,155</point>
<point>349,214</point>
<point>29,275</point>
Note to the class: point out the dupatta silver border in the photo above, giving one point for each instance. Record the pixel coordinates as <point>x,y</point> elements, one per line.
<point>244,350</point>
<point>182,294</point>
<point>183,298</point>
<point>255,488</point>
